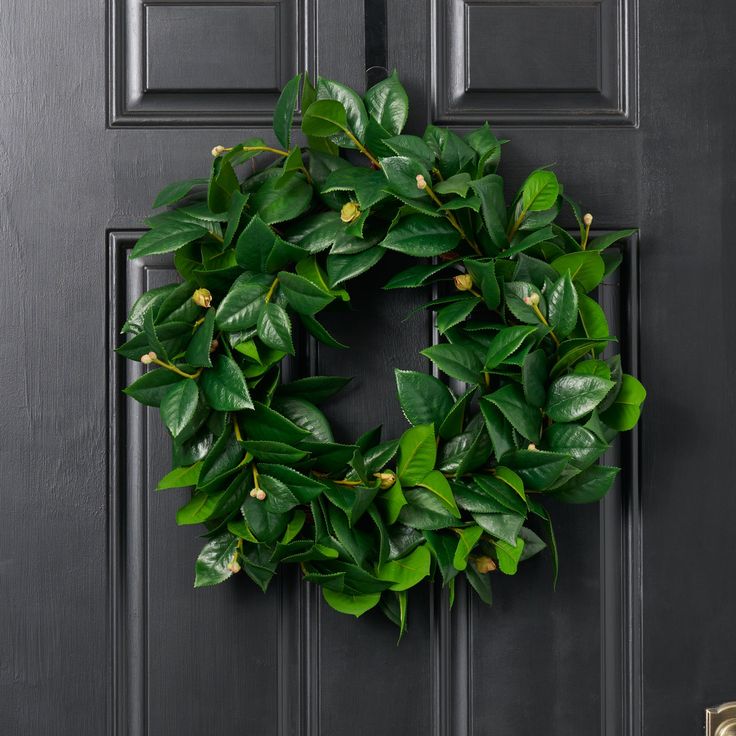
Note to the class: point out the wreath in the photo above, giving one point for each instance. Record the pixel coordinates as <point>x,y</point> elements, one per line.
<point>463,490</point>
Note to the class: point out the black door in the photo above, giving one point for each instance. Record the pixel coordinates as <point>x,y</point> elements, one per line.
<point>100,629</point>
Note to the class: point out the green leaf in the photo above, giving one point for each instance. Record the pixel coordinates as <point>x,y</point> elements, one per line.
<point>415,275</point>
<point>178,406</point>
<point>592,318</point>
<point>535,238</point>
<point>151,387</point>
<point>424,399</point>
<point>509,555</point>
<point>456,361</point>
<point>324,118</point>
<point>406,572</point>
<point>457,184</point>
<point>355,604</point>
<point>516,292</point>
<point>506,342</point>
<point>254,245</point>
<point>240,308</point>
<point>572,397</point>
<point>604,241</point>
<point>167,238</point>
<point>266,526</point>
<point>304,488</point>
<point>583,447</point>
<point>178,190</point>
<point>277,202</point>
<point>481,583</point>
<point>497,491</point>
<point>316,388</point>
<point>468,538</point>
<point>540,191</point>
<point>534,378</point>
<point>562,306</point>
<point>417,454</point>
<point>392,501</point>
<point>198,350</point>
<point>484,274</point>
<point>413,147</point>
<point>443,547</point>
<point>493,207</point>
<point>274,328</point>
<point>587,487</point>
<point>355,111</point>
<point>501,526</point>
<point>180,477</point>
<point>320,332</point>
<point>586,268</point>
<point>263,423</point>
<point>283,113</point>
<point>401,173</point>
<point>437,484</point>
<point>388,104</point>
<point>624,413</point>
<point>235,215</point>
<point>279,499</point>
<point>499,429</point>
<point>341,268</point>
<point>223,182</point>
<point>303,296</point>
<point>212,563</point>
<point>537,469</point>
<point>305,415</point>
<point>510,401</point>
<point>422,236</point>
<point>454,314</point>
<point>274,452</point>
<point>224,386</point>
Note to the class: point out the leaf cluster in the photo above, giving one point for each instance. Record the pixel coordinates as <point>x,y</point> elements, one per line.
<point>268,242</point>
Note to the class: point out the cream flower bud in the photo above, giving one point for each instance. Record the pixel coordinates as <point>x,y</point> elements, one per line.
<point>532,447</point>
<point>234,566</point>
<point>217,150</point>
<point>532,300</point>
<point>421,182</point>
<point>214,345</point>
<point>202,298</point>
<point>148,358</point>
<point>253,492</point>
<point>349,212</point>
<point>261,494</point>
<point>484,564</point>
<point>463,282</point>
<point>387,479</point>
<point>587,219</point>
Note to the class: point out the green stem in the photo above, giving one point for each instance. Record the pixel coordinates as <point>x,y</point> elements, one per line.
<point>543,320</point>
<point>274,284</point>
<point>584,244</point>
<point>171,367</point>
<point>363,149</point>
<point>516,225</point>
<point>452,220</point>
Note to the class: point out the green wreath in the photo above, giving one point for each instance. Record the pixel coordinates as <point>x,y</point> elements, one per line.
<point>463,490</point>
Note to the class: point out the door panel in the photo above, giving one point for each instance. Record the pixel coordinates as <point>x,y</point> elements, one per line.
<point>101,631</point>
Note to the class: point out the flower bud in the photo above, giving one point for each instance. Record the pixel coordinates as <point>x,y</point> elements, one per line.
<point>587,219</point>
<point>484,564</point>
<point>217,150</point>
<point>421,182</point>
<point>463,282</point>
<point>532,447</point>
<point>253,492</point>
<point>234,566</point>
<point>532,300</point>
<point>261,494</point>
<point>148,358</point>
<point>349,212</point>
<point>214,345</point>
<point>202,298</point>
<point>387,479</point>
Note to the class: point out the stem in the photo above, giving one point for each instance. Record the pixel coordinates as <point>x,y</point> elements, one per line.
<point>236,427</point>
<point>452,220</point>
<point>174,369</point>
<point>363,149</point>
<point>271,290</point>
<point>584,244</point>
<point>543,320</point>
<point>261,148</point>
<point>255,477</point>
<point>516,225</point>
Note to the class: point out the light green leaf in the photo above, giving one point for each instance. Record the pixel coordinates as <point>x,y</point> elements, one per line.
<point>540,191</point>
<point>417,454</point>
<point>407,571</point>
<point>303,296</point>
<point>437,484</point>
<point>351,603</point>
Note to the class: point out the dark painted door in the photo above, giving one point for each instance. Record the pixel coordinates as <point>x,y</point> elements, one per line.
<point>100,630</point>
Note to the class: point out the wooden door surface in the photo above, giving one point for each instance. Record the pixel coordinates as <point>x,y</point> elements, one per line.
<point>100,629</point>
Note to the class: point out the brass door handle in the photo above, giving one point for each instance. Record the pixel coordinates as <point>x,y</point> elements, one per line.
<point>721,720</point>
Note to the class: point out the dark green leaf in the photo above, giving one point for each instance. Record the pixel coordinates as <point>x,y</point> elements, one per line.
<point>572,397</point>
<point>178,406</point>
<point>274,328</point>
<point>587,487</point>
<point>283,113</point>
<point>224,386</point>
<point>456,361</point>
<point>388,104</point>
<point>510,401</point>
<point>420,235</point>
<point>212,563</point>
<point>423,398</point>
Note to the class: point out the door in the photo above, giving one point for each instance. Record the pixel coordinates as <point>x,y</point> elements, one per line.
<point>101,632</point>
